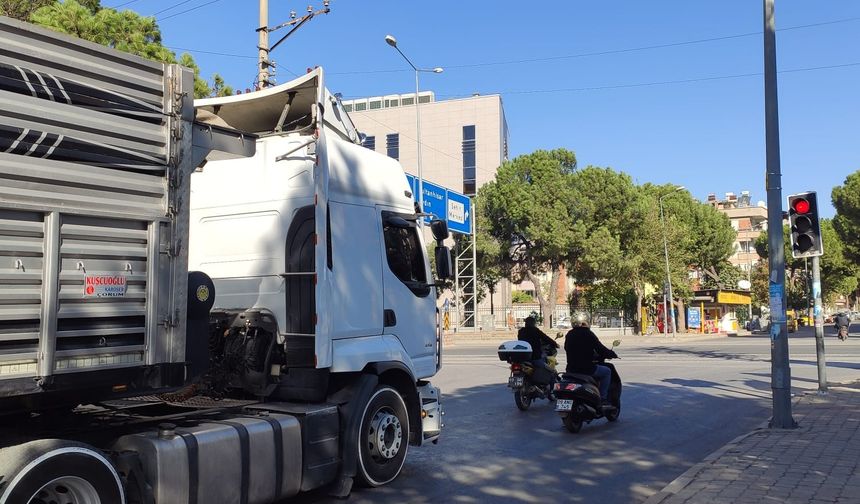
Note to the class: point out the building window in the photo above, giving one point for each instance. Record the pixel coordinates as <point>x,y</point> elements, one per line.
<point>469,162</point>
<point>360,106</point>
<point>375,105</point>
<point>424,99</point>
<point>391,103</point>
<point>392,143</point>
<point>407,101</point>
<point>369,142</point>
<point>348,107</point>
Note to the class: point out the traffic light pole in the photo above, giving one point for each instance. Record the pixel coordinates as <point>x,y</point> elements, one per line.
<point>819,326</point>
<point>780,379</point>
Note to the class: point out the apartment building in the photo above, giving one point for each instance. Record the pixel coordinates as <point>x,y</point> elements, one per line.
<point>748,220</point>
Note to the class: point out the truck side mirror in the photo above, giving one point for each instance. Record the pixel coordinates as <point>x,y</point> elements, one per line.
<point>440,229</point>
<point>443,263</point>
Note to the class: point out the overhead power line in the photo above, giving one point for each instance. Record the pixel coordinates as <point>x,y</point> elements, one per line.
<point>677,81</point>
<point>172,7</point>
<point>229,55</point>
<point>615,51</point>
<point>189,10</point>
<point>124,4</point>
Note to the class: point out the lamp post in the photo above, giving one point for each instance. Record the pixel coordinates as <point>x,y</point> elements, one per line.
<point>390,40</point>
<point>666,252</point>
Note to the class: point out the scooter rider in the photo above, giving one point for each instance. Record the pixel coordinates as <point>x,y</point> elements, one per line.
<point>581,345</point>
<point>536,338</point>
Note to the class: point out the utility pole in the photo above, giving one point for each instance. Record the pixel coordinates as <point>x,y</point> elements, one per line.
<point>819,326</point>
<point>263,45</point>
<point>263,62</point>
<point>780,379</point>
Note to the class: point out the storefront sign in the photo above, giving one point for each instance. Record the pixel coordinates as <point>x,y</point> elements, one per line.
<point>733,298</point>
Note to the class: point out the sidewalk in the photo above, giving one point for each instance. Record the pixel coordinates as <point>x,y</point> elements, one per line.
<point>819,462</point>
<point>605,335</point>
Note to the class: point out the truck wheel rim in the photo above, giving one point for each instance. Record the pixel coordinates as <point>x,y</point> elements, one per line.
<point>386,434</point>
<point>66,490</point>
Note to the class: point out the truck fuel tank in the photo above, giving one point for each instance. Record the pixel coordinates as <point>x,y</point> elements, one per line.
<point>253,458</point>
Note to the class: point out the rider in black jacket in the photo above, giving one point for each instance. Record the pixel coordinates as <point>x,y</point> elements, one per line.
<point>581,346</point>
<point>535,337</point>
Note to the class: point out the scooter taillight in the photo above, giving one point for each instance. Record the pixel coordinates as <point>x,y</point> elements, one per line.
<point>516,367</point>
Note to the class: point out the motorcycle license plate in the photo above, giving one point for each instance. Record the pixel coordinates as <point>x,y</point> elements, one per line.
<point>564,405</point>
<point>515,381</point>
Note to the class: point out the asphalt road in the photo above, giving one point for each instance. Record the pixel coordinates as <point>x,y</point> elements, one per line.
<point>681,401</point>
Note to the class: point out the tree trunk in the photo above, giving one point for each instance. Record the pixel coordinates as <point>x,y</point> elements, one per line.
<point>546,300</point>
<point>637,317</point>
<point>553,294</point>
<point>492,292</point>
<point>682,322</point>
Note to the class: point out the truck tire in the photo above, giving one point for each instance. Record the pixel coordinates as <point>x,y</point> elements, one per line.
<point>57,471</point>
<point>383,437</point>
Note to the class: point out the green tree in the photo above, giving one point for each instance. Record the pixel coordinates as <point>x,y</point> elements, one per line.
<point>124,30</point>
<point>489,255</point>
<point>839,274</point>
<point>846,200</point>
<point>22,9</point>
<point>528,209</point>
<point>521,297</point>
<point>759,289</point>
<point>796,275</point>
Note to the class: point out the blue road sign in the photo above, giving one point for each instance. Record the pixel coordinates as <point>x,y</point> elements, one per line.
<point>435,201</point>
<point>459,213</point>
<point>444,204</point>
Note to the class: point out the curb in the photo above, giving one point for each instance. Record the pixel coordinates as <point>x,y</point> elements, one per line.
<point>690,474</point>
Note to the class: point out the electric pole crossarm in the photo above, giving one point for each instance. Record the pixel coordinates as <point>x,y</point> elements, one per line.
<point>263,31</point>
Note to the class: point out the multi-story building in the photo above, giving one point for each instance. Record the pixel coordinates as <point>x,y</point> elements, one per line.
<point>748,220</point>
<point>463,141</point>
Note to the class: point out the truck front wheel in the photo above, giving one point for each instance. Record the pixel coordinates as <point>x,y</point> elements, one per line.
<point>57,471</point>
<point>383,437</point>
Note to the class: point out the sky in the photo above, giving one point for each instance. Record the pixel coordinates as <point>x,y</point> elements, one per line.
<point>668,91</point>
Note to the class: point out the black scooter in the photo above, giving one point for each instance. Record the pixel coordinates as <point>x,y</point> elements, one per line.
<point>578,397</point>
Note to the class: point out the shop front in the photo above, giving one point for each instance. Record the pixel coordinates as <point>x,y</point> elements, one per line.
<point>715,310</point>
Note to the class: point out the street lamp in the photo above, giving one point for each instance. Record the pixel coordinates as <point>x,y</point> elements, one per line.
<point>390,40</point>
<point>666,252</point>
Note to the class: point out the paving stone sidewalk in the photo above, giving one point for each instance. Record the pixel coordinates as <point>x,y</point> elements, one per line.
<point>819,462</point>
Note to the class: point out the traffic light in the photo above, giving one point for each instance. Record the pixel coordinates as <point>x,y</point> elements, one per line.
<point>803,225</point>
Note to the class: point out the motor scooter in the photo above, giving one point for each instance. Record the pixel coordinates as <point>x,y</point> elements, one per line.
<point>528,380</point>
<point>578,397</point>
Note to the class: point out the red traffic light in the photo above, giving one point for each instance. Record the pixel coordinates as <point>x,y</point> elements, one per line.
<point>801,206</point>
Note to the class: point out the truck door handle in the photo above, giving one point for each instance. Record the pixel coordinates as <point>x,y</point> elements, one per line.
<point>389,319</point>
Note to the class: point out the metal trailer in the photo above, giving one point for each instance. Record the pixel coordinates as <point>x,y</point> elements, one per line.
<point>104,333</point>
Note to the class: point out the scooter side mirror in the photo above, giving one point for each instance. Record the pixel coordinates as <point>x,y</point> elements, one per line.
<point>616,343</point>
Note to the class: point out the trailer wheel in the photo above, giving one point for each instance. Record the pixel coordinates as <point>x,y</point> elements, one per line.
<point>57,471</point>
<point>383,437</point>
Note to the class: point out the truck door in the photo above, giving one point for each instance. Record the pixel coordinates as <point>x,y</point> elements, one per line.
<point>409,303</point>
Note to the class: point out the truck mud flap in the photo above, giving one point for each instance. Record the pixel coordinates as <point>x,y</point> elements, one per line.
<point>351,401</point>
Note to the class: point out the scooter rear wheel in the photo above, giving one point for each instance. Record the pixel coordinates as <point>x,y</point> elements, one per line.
<point>572,423</point>
<point>522,398</point>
